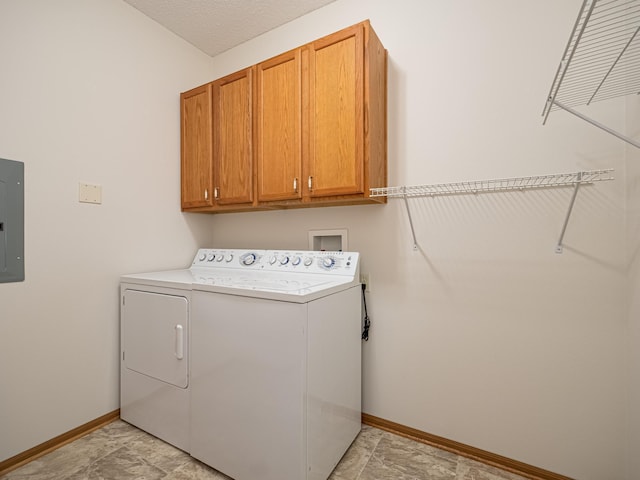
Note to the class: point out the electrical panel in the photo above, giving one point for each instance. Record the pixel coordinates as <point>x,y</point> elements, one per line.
<point>11,221</point>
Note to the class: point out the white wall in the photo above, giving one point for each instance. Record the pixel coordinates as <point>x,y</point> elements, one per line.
<point>486,336</point>
<point>633,249</point>
<point>89,92</point>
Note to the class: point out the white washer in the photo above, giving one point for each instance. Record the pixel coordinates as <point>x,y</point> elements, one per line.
<point>276,363</point>
<point>249,360</point>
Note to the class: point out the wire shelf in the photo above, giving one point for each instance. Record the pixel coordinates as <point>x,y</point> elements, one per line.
<point>602,58</point>
<point>574,180</point>
<point>494,185</point>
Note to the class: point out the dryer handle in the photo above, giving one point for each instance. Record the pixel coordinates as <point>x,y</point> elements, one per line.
<point>179,347</point>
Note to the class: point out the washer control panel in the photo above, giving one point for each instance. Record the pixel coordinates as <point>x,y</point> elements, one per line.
<point>303,261</point>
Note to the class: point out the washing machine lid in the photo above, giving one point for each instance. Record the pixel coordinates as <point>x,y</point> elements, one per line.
<point>299,288</point>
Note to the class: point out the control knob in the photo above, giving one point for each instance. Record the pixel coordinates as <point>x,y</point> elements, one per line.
<point>211,257</point>
<point>272,259</point>
<point>296,261</point>
<point>229,257</point>
<point>202,257</point>
<point>248,259</point>
<point>328,262</point>
<point>308,261</point>
<point>284,259</point>
<point>219,258</point>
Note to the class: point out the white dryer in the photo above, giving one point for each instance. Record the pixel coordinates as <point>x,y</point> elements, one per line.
<point>154,357</point>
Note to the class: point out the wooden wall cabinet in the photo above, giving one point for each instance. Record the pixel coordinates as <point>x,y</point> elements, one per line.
<point>216,144</point>
<point>278,138</point>
<point>233,138</point>
<point>347,115</point>
<point>196,145</point>
<point>309,131</point>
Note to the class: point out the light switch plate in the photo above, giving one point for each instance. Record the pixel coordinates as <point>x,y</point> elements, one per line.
<point>89,193</point>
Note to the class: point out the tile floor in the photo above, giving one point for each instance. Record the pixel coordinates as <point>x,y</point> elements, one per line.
<point>120,451</point>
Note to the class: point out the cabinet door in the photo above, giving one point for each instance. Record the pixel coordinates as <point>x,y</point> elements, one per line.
<point>336,117</point>
<point>232,137</point>
<point>278,127</point>
<point>196,147</point>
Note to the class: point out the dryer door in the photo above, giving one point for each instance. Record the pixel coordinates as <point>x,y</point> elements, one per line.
<point>155,335</point>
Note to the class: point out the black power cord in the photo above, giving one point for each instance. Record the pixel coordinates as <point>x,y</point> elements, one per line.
<point>367,322</point>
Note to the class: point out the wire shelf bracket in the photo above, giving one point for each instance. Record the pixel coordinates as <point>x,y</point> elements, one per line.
<point>413,231</point>
<point>601,60</point>
<point>474,187</point>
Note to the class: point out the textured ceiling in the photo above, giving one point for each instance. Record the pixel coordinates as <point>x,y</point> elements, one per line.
<point>218,25</point>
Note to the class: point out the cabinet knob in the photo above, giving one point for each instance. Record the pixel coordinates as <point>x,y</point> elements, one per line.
<point>215,193</point>
<point>295,185</point>
<point>206,194</point>
<point>310,182</point>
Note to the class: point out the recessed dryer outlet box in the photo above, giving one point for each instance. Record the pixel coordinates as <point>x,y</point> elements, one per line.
<point>11,221</point>
<point>329,240</point>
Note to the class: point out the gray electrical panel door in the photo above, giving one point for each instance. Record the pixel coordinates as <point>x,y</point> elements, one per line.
<point>11,221</point>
